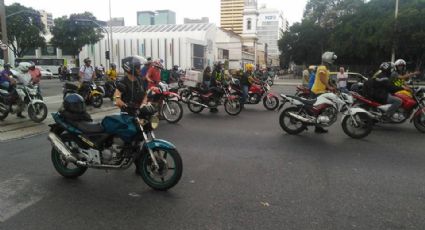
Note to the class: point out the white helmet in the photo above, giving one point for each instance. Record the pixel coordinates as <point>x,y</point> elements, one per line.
<point>23,67</point>
<point>400,65</point>
<point>329,57</point>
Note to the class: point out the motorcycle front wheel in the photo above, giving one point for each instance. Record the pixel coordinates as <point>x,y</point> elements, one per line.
<point>271,103</point>
<point>290,124</point>
<point>4,111</point>
<point>169,172</point>
<point>37,112</point>
<point>357,126</point>
<point>419,122</point>
<point>97,101</point>
<point>194,108</point>
<point>172,111</point>
<point>232,107</point>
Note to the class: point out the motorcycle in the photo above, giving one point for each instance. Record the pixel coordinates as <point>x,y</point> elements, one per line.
<point>116,142</point>
<point>323,112</point>
<point>110,87</point>
<point>412,107</point>
<point>303,92</point>
<point>95,96</point>
<point>26,97</point>
<point>258,92</point>
<point>200,98</point>
<point>171,109</point>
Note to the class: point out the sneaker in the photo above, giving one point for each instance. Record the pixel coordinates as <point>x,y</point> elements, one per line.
<point>214,110</point>
<point>20,115</point>
<point>320,130</point>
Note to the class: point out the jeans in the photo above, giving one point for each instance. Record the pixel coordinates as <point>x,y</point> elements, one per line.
<point>395,104</point>
<point>245,90</point>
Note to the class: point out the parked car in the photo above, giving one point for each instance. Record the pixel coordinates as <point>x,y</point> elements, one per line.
<point>46,74</point>
<point>353,78</point>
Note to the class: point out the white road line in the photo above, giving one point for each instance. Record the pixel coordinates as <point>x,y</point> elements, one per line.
<point>17,194</point>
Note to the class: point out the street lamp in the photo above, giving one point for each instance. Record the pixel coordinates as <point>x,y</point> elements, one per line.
<point>395,30</point>
<point>103,28</point>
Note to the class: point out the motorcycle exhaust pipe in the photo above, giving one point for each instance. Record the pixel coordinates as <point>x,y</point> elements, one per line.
<point>301,118</point>
<point>197,103</point>
<point>63,149</point>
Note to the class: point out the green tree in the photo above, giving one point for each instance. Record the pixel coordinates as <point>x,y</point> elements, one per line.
<point>24,29</point>
<point>73,33</point>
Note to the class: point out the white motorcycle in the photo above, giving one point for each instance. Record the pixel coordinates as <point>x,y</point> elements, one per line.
<point>323,112</point>
<point>26,97</point>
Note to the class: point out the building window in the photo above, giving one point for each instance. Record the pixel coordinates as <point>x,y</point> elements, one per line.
<point>248,24</point>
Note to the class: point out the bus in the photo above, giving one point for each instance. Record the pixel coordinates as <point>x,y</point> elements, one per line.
<point>50,64</point>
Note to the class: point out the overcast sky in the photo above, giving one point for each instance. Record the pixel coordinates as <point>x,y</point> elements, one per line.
<point>292,9</point>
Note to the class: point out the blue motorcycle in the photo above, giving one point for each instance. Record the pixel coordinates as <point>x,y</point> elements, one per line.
<point>116,142</point>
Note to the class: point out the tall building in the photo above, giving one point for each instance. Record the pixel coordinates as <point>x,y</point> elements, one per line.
<point>159,17</point>
<point>231,15</point>
<point>270,23</point>
<point>196,21</point>
<point>116,22</point>
<point>46,18</point>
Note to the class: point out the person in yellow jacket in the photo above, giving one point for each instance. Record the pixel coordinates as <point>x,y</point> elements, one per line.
<point>111,74</point>
<point>321,83</point>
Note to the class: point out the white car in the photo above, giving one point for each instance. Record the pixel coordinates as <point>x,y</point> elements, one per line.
<point>46,74</point>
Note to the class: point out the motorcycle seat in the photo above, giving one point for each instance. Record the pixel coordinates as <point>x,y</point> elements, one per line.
<point>88,127</point>
<point>303,100</point>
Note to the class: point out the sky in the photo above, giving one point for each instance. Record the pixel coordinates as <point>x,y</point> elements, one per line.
<point>292,9</point>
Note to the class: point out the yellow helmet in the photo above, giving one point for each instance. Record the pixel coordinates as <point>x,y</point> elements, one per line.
<point>249,67</point>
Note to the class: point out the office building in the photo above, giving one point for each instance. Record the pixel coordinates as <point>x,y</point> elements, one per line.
<point>159,17</point>
<point>231,15</point>
<point>196,21</point>
<point>46,19</point>
<point>116,22</point>
<point>270,23</point>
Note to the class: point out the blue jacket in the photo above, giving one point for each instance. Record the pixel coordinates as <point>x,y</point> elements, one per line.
<point>4,76</point>
<point>311,81</point>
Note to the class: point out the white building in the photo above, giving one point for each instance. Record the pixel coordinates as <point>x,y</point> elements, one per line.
<point>187,45</point>
<point>270,23</point>
<point>46,18</point>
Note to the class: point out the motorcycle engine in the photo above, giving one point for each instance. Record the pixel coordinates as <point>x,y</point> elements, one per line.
<point>112,155</point>
<point>253,98</point>
<point>327,117</point>
<point>212,103</point>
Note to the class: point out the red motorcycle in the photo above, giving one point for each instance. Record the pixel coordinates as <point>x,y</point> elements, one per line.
<point>303,91</point>
<point>171,109</point>
<point>411,105</point>
<point>256,93</point>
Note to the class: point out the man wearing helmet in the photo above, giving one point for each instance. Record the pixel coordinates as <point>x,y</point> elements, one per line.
<point>245,81</point>
<point>153,76</point>
<point>87,75</point>
<point>399,75</point>
<point>130,95</point>
<point>35,75</point>
<point>321,81</point>
<point>380,89</point>
<point>217,77</point>
<point>5,80</point>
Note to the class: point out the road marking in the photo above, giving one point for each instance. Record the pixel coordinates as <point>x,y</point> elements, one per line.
<point>17,194</point>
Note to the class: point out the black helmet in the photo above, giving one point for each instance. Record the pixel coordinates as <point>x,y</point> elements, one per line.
<point>386,67</point>
<point>132,63</point>
<point>7,65</point>
<point>74,103</point>
<point>175,67</point>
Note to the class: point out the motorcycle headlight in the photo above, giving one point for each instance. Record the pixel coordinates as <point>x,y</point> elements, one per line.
<point>154,122</point>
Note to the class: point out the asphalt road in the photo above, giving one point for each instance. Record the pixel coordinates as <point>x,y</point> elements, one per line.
<point>239,173</point>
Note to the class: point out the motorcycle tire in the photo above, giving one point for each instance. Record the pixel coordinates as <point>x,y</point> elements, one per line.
<point>284,126</point>
<point>233,107</point>
<point>176,107</point>
<point>366,126</point>
<point>145,164</point>
<point>272,104</point>
<point>419,122</point>
<point>4,111</point>
<point>184,95</point>
<point>97,101</point>
<point>62,167</point>
<point>37,112</point>
<point>193,107</point>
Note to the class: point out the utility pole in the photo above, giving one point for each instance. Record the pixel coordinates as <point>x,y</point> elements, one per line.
<point>4,30</point>
<point>110,33</point>
<point>395,31</point>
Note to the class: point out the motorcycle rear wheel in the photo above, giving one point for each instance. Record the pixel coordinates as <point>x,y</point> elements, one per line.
<point>419,122</point>
<point>97,101</point>
<point>62,167</point>
<point>157,179</point>
<point>364,125</point>
<point>172,111</point>
<point>285,115</point>
<point>37,112</point>
<point>4,111</point>
<point>232,107</point>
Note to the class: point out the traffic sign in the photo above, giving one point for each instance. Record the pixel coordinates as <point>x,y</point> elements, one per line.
<point>3,46</point>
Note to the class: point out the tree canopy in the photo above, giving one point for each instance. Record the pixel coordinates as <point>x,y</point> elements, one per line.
<point>71,34</point>
<point>360,32</point>
<point>24,29</point>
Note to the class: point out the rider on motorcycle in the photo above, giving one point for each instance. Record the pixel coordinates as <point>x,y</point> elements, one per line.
<point>111,76</point>
<point>130,95</point>
<point>322,80</point>
<point>380,89</point>
<point>87,75</point>
<point>5,80</point>
<point>399,76</point>
<point>245,82</point>
<point>216,78</point>
<point>24,78</point>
